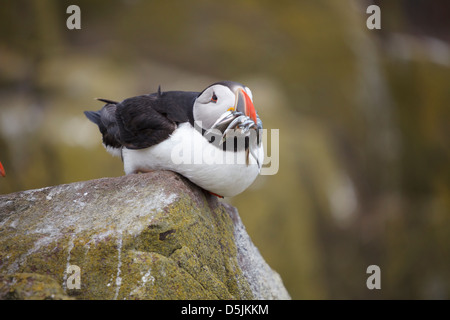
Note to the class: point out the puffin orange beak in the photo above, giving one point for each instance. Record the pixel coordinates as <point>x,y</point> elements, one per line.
<point>245,105</point>
<point>2,170</point>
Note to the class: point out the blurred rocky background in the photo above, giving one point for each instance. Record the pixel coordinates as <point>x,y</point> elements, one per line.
<point>363,118</point>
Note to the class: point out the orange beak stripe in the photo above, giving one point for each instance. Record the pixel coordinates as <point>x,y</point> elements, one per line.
<point>249,108</point>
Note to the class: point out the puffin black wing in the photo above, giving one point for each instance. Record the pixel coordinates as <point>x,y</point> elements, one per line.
<point>143,121</point>
<point>150,119</point>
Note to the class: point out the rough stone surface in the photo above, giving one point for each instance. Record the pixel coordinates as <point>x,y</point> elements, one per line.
<point>146,236</point>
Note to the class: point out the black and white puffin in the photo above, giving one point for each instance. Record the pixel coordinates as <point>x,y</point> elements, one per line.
<point>2,170</point>
<point>212,137</point>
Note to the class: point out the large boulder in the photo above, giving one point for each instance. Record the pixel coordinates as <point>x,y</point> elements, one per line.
<point>145,236</point>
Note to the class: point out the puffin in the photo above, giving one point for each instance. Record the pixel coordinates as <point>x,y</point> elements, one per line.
<point>212,137</point>
<point>2,170</point>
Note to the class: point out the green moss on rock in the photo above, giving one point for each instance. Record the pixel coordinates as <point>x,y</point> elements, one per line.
<point>30,286</point>
<point>149,236</point>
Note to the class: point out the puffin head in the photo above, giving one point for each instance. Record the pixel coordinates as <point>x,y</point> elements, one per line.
<point>221,97</point>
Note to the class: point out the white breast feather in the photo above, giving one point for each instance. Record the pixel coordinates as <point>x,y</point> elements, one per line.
<point>187,152</point>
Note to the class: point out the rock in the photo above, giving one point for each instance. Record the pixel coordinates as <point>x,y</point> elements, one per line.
<point>30,286</point>
<point>146,236</point>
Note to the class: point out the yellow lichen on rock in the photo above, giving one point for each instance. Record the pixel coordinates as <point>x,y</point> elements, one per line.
<point>148,236</point>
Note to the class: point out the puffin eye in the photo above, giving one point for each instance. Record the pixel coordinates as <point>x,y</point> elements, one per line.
<point>214,98</point>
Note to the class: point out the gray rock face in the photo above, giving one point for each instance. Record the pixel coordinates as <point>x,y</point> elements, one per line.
<point>146,236</point>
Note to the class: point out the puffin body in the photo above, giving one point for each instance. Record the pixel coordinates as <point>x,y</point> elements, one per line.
<point>212,137</point>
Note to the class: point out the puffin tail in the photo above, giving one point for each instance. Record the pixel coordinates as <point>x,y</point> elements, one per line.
<point>105,119</point>
<point>94,116</point>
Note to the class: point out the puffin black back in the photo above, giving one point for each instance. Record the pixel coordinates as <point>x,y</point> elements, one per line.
<point>143,121</point>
